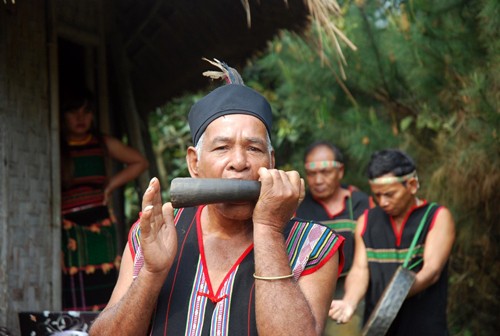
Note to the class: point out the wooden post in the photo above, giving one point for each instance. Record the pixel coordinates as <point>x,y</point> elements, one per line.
<point>55,223</point>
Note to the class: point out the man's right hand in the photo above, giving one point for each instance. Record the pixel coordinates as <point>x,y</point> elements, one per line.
<point>341,311</point>
<point>279,197</point>
<point>158,234</point>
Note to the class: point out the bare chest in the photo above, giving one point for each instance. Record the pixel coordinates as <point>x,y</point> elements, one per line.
<point>221,256</point>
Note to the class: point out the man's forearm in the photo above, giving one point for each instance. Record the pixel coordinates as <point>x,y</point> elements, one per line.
<point>132,314</point>
<point>280,306</point>
<point>356,285</point>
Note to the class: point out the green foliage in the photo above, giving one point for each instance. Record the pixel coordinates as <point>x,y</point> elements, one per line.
<point>309,104</point>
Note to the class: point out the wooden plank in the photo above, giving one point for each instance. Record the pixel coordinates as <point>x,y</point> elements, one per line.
<point>55,157</point>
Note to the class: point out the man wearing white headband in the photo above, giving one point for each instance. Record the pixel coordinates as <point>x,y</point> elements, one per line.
<point>334,205</point>
<point>382,240</point>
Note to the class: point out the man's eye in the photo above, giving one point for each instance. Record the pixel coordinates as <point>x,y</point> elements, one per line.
<point>254,149</point>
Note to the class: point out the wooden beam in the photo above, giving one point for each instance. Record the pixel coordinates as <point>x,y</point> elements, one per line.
<point>152,12</point>
<point>77,35</point>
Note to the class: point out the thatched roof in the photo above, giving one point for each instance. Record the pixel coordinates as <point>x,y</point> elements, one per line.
<point>166,40</point>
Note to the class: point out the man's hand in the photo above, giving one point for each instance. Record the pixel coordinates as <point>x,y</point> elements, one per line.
<point>341,311</point>
<point>279,197</point>
<point>158,235</point>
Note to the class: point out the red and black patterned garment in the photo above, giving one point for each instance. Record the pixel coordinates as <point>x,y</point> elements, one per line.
<point>189,305</point>
<point>386,249</point>
<point>89,245</point>
<point>343,222</point>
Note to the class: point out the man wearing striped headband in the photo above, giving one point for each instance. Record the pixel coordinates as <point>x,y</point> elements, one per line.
<point>383,238</point>
<point>335,206</point>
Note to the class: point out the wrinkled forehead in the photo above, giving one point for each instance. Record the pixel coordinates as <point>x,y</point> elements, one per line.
<point>319,153</point>
<point>233,125</point>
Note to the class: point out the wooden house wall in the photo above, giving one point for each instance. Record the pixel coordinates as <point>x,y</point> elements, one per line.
<point>26,222</point>
<point>29,151</point>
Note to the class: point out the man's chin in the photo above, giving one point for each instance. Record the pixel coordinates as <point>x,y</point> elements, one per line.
<point>237,210</point>
<point>240,206</point>
<point>319,195</point>
<point>390,212</point>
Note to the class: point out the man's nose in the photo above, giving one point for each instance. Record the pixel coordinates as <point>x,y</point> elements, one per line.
<point>239,160</point>
<point>383,201</point>
<point>318,178</point>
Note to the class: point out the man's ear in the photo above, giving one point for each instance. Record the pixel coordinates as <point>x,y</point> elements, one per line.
<point>192,161</point>
<point>341,172</point>
<point>413,185</point>
<point>273,160</point>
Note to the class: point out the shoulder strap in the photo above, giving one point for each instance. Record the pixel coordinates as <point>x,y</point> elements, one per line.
<point>351,212</point>
<point>417,235</point>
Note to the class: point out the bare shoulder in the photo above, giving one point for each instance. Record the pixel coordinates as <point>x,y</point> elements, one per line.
<point>111,141</point>
<point>444,222</point>
<point>444,214</point>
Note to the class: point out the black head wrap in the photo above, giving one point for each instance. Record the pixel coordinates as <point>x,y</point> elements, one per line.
<point>228,99</point>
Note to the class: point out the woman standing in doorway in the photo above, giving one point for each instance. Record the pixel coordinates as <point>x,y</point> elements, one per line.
<point>90,255</point>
